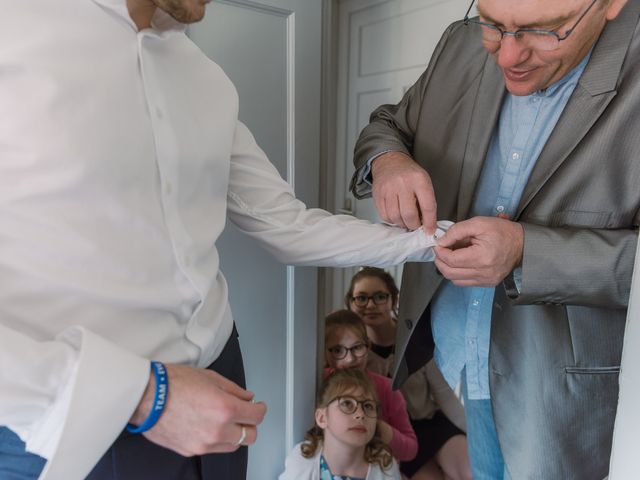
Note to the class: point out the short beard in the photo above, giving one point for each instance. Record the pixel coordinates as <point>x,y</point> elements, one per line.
<point>178,10</point>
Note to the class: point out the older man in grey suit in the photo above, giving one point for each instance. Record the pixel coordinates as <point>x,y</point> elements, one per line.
<point>526,130</point>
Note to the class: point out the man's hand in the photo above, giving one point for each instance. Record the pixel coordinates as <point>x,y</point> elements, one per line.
<point>403,192</point>
<point>205,413</point>
<point>480,252</point>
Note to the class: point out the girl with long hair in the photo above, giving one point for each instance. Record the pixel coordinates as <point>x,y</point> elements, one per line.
<point>343,444</point>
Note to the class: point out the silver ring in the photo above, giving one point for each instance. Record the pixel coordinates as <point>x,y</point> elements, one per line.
<point>243,435</point>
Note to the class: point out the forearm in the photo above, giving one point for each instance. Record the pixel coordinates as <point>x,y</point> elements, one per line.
<point>590,267</point>
<point>264,206</point>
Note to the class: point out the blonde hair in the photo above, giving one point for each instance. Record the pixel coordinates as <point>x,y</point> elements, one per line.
<point>336,384</point>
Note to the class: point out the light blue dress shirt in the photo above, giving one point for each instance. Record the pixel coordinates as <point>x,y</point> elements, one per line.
<point>461,316</point>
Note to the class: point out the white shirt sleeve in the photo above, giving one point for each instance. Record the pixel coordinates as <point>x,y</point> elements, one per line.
<point>264,206</point>
<point>68,399</point>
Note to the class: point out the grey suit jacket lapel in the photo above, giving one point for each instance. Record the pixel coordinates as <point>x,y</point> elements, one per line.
<point>485,115</point>
<point>594,91</point>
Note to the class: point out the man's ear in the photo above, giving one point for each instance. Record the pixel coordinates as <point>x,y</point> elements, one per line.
<point>614,8</point>
<point>321,417</point>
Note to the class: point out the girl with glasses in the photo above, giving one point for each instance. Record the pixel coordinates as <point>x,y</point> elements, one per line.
<point>436,414</point>
<point>347,346</point>
<point>343,444</point>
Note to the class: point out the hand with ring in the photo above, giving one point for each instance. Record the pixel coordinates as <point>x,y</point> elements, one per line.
<point>205,413</point>
<point>243,435</point>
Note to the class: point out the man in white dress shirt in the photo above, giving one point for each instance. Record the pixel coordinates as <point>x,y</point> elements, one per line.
<point>121,157</point>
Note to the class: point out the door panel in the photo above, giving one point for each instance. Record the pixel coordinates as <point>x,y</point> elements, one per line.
<point>271,51</point>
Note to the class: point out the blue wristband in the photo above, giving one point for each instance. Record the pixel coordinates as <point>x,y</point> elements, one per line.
<point>159,399</point>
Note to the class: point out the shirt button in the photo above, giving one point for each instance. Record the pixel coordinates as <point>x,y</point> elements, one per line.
<point>535,99</point>
<point>408,323</point>
<point>515,156</point>
<point>476,302</point>
<point>500,208</point>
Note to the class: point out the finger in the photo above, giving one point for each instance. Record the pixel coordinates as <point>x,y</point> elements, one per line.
<point>409,209</point>
<point>428,208</point>
<point>234,439</point>
<point>466,257</point>
<point>457,275</point>
<point>380,202</point>
<point>393,211</point>
<point>238,435</point>
<point>250,435</point>
<point>469,277</point>
<point>249,413</point>
<point>458,232</point>
<point>229,386</point>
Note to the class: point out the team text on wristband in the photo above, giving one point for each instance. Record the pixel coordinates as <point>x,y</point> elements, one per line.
<point>159,399</point>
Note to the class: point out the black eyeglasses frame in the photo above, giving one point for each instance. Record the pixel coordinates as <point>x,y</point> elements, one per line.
<point>357,403</point>
<point>521,31</point>
<point>380,295</point>
<point>351,349</point>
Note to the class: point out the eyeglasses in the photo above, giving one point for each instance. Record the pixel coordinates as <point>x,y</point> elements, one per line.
<point>533,38</point>
<point>338,352</point>
<point>349,405</point>
<point>379,298</point>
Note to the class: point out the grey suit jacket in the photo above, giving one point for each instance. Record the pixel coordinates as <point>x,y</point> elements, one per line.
<point>556,344</point>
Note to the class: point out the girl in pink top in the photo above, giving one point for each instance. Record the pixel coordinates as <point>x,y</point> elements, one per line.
<point>347,346</point>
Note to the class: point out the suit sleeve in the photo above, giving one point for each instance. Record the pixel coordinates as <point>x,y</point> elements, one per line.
<point>393,127</point>
<point>444,396</point>
<point>554,270</point>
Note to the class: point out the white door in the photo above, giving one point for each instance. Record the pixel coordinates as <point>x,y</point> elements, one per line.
<point>383,47</point>
<point>271,51</point>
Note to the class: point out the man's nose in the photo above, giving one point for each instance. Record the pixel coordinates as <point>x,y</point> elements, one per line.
<point>512,52</point>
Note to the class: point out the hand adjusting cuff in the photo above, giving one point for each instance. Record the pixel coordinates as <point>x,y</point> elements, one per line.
<point>159,399</point>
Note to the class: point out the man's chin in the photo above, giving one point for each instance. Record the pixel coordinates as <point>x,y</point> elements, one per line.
<point>521,83</point>
<point>520,89</point>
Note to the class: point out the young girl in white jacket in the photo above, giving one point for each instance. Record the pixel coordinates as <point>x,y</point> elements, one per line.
<point>343,444</point>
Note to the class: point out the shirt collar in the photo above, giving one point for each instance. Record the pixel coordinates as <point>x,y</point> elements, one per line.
<point>161,21</point>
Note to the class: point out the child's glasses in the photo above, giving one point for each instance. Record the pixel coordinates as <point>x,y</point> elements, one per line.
<point>338,352</point>
<point>379,298</point>
<point>349,405</point>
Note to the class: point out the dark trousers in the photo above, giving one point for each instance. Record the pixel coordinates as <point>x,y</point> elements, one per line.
<point>133,457</point>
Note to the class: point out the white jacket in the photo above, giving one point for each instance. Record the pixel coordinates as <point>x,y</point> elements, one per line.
<point>296,467</point>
